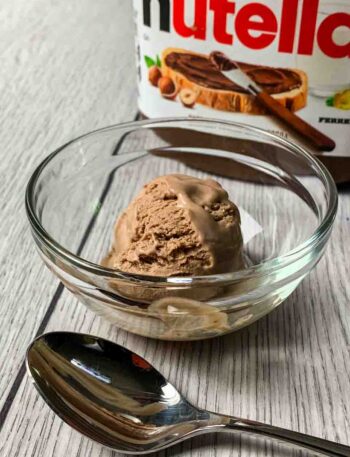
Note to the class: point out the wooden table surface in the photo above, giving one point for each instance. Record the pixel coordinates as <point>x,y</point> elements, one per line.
<point>67,68</point>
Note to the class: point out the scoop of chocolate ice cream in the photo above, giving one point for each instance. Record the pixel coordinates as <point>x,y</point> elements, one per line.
<point>178,225</point>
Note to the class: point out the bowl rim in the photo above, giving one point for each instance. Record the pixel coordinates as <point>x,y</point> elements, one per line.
<point>262,269</point>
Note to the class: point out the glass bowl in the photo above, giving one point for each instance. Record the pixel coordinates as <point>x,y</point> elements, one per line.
<point>287,200</point>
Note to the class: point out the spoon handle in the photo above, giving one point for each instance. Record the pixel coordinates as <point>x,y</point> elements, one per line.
<point>317,445</point>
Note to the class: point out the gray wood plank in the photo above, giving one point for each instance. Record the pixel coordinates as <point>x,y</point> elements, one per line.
<point>59,77</point>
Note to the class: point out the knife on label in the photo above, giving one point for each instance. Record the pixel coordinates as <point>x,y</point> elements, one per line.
<point>232,71</point>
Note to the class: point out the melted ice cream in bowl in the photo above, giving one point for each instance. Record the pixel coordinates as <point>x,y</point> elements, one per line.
<point>181,229</point>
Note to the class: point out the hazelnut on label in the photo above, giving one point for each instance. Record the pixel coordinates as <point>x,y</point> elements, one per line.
<point>167,87</point>
<point>154,75</point>
<point>188,97</point>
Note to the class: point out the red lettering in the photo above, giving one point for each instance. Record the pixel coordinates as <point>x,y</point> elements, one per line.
<point>325,35</point>
<point>308,27</point>
<point>288,25</point>
<point>245,24</point>
<point>221,9</point>
<point>198,28</point>
<point>256,25</point>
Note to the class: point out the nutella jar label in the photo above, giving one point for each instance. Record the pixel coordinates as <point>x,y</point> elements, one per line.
<point>296,50</point>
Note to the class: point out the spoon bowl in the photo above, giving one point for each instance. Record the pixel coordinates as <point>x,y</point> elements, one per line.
<point>110,394</point>
<point>116,398</point>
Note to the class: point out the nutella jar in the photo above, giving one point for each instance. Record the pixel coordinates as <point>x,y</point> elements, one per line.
<point>296,50</point>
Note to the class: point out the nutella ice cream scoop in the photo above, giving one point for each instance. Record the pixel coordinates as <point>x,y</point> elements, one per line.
<point>178,225</point>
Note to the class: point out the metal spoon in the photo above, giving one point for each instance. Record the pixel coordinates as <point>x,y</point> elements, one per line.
<point>116,398</point>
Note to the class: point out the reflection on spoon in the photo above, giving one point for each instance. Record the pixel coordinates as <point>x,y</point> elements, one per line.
<point>116,398</point>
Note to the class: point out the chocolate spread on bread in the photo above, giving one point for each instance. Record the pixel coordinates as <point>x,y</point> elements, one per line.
<point>200,70</point>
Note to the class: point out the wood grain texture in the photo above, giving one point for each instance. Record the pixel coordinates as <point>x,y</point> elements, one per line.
<point>59,77</point>
<point>291,369</point>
